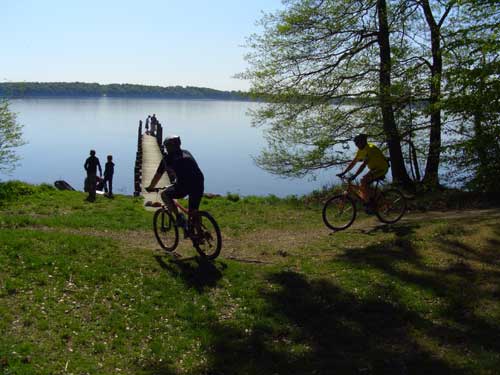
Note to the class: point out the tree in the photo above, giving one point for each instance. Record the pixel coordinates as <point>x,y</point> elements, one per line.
<point>473,100</point>
<point>10,138</point>
<point>324,67</point>
<point>435,24</point>
<point>393,138</point>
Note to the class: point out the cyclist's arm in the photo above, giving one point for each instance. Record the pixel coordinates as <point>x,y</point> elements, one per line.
<point>350,166</point>
<point>360,169</point>
<point>156,178</point>
<point>154,181</point>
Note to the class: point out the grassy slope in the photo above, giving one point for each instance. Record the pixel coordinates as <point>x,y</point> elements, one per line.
<point>84,289</point>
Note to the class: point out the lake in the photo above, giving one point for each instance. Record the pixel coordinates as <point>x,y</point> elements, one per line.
<point>60,133</point>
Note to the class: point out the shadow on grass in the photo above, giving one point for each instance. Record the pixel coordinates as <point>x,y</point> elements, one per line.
<point>314,327</point>
<point>463,290</point>
<point>196,272</point>
<point>399,230</point>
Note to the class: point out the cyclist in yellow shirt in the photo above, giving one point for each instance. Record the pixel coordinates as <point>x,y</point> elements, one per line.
<point>371,156</point>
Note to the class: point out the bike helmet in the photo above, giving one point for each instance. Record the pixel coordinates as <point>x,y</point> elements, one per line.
<point>360,138</point>
<point>173,140</point>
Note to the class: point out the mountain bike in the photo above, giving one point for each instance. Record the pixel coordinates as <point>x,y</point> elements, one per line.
<point>340,210</point>
<point>206,236</point>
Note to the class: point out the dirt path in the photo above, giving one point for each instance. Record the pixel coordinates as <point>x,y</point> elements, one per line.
<point>271,246</point>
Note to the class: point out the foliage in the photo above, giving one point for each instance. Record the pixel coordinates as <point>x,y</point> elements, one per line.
<point>474,96</point>
<point>233,197</point>
<point>80,89</point>
<point>315,62</point>
<point>10,137</point>
<point>14,190</point>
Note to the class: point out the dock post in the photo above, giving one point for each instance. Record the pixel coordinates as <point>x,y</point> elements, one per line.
<point>138,162</point>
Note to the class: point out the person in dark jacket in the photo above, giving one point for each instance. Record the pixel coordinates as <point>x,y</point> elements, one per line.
<point>109,170</point>
<point>91,165</point>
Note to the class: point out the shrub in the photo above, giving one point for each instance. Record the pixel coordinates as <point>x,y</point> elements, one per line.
<point>12,190</point>
<point>233,197</point>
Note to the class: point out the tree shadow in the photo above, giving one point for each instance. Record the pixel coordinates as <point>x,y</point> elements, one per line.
<point>459,287</point>
<point>400,230</point>
<point>196,272</point>
<point>314,327</point>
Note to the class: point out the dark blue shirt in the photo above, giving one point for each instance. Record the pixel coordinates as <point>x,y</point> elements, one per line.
<point>185,167</point>
<point>91,165</point>
<point>109,169</point>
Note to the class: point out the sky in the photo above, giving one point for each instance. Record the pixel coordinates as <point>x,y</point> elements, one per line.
<point>151,42</point>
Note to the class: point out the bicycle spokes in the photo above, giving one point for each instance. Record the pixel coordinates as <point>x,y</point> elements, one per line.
<point>208,240</point>
<point>339,212</point>
<point>391,206</point>
<point>166,232</point>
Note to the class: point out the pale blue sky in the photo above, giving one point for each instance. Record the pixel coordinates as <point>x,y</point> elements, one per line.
<point>153,42</point>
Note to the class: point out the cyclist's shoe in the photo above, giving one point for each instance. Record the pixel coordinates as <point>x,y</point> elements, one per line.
<point>197,240</point>
<point>369,207</point>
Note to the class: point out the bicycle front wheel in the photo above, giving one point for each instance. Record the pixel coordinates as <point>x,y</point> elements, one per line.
<point>391,206</point>
<point>339,212</point>
<point>166,232</point>
<point>208,241</point>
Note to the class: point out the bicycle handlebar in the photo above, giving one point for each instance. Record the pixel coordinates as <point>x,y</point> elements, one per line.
<point>156,189</point>
<point>345,178</point>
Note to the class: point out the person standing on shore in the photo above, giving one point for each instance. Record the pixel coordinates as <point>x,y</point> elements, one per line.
<point>91,165</point>
<point>109,170</point>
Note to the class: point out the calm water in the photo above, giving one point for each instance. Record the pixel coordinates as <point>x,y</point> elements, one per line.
<point>60,133</point>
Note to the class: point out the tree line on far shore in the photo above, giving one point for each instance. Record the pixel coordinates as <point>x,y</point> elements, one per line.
<point>81,89</point>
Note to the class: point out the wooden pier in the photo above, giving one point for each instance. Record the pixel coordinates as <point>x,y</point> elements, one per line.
<point>148,157</point>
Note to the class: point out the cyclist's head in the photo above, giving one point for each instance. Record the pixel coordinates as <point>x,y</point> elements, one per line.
<point>360,140</point>
<point>172,143</point>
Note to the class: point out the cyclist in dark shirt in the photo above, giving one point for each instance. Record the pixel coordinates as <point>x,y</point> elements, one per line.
<point>91,165</point>
<point>189,178</point>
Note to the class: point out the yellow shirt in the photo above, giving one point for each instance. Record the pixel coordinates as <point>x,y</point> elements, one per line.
<point>375,158</point>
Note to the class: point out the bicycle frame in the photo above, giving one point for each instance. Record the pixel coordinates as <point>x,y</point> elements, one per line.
<point>179,206</point>
<point>353,189</point>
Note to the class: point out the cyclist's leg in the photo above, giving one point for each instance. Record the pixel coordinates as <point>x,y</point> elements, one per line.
<point>194,204</point>
<point>367,192</point>
<point>171,193</point>
<point>364,187</point>
<point>367,180</point>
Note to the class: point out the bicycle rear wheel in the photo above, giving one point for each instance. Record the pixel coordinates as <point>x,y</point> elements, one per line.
<point>209,240</point>
<point>339,212</point>
<point>166,232</point>
<point>391,206</point>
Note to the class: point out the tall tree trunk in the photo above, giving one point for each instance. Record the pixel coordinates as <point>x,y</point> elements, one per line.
<point>431,176</point>
<point>398,169</point>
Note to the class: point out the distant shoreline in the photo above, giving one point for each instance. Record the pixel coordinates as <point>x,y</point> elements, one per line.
<point>19,90</point>
<point>125,97</point>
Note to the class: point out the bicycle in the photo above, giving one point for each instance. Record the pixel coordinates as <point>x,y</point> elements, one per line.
<point>339,211</point>
<point>206,239</point>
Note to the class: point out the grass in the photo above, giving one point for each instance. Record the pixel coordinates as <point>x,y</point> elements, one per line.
<point>85,290</point>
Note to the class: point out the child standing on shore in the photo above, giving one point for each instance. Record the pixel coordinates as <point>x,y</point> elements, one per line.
<point>109,170</point>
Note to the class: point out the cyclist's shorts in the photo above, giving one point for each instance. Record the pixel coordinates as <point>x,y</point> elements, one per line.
<point>377,173</point>
<point>176,191</point>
